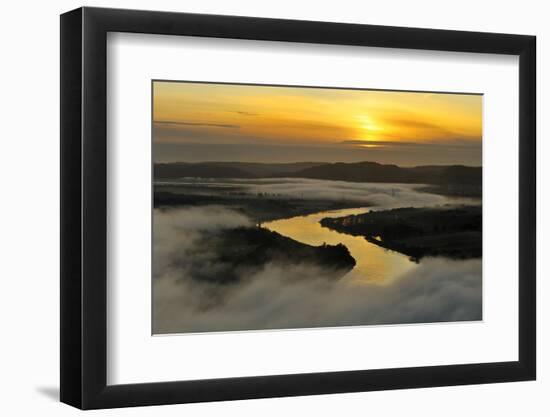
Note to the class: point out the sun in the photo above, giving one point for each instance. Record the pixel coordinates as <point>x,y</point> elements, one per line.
<point>368,128</point>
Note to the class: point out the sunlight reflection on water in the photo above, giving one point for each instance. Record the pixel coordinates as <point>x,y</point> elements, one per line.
<point>373,263</point>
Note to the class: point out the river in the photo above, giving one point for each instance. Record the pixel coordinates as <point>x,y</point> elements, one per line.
<point>374,264</point>
<point>433,290</point>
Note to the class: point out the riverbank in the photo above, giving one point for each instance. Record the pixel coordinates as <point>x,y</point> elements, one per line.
<point>242,252</point>
<point>453,232</point>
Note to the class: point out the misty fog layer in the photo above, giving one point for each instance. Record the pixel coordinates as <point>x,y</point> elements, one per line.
<point>278,296</point>
<point>381,195</point>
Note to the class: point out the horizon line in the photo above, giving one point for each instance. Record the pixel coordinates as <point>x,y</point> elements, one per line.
<point>317,162</point>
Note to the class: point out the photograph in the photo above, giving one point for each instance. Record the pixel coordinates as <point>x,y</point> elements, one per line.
<point>292,207</point>
<point>328,204</point>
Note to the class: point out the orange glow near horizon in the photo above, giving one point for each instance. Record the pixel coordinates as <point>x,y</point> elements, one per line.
<point>186,112</point>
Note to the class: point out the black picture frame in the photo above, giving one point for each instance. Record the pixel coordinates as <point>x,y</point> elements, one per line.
<point>84,207</point>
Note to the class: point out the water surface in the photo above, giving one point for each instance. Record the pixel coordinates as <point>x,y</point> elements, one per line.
<point>374,264</point>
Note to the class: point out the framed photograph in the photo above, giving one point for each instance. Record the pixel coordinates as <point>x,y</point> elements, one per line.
<point>257,208</point>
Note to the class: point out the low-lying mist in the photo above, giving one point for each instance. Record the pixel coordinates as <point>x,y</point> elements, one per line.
<point>297,296</point>
<point>382,195</point>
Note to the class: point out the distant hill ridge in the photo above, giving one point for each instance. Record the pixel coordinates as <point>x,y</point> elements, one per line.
<point>339,171</point>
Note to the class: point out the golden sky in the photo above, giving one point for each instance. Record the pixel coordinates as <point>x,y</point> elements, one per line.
<point>207,114</point>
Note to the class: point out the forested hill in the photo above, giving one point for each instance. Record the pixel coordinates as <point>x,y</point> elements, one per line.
<point>355,172</point>
<point>374,172</point>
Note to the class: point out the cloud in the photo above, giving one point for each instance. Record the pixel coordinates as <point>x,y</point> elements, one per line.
<point>409,122</point>
<point>373,194</point>
<point>197,124</point>
<point>293,296</point>
<point>175,232</point>
<point>245,113</point>
<point>380,143</point>
<point>448,143</point>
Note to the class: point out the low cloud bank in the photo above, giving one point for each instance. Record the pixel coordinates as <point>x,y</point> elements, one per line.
<point>378,194</point>
<point>283,296</point>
